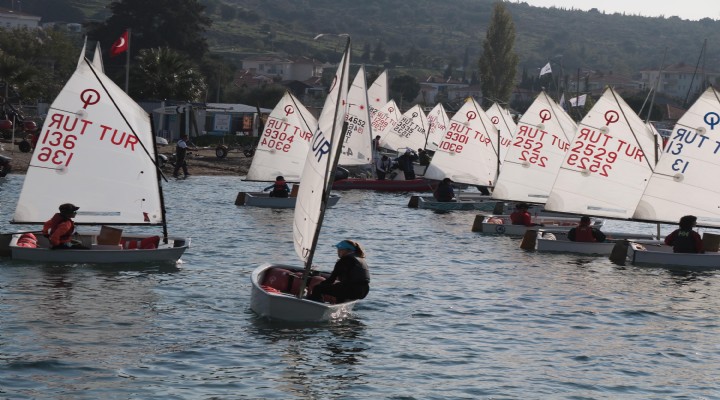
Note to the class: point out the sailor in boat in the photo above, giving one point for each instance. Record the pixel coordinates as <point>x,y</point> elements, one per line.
<point>350,279</point>
<point>585,233</point>
<point>521,215</point>
<point>424,157</point>
<point>279,189</point>
<point>60,228</point>
<point>685,239</point>
<point>382,167</point>
<point>444,191</point>
<point>405,163</point>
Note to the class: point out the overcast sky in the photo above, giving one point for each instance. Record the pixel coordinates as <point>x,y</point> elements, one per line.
<point>685,9</point>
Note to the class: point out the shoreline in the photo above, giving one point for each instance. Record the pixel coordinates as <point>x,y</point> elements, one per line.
<point>203,162</point>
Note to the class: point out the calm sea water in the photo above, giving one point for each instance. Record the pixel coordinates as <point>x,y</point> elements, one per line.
<point>451,314</point>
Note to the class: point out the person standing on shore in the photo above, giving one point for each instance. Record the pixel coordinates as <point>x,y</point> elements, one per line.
<point>181,156</point>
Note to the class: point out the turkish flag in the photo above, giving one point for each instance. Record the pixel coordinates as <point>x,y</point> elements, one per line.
<point>120,46</point>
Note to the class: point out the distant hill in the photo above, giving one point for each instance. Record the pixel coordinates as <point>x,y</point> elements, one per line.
<point>433,34</point>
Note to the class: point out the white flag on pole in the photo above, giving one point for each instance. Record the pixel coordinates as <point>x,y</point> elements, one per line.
<point>578,101</point>
<point>546,69</point>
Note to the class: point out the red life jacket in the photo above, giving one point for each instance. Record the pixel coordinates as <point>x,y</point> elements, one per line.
<point>584,234</point>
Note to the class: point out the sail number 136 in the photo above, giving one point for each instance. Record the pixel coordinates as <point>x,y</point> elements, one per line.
<point>55,148</point>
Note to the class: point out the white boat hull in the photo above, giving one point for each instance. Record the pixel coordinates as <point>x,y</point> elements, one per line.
<point>263,200</point>
<point>287,307</point>
<point>548,241</point>
<point>657,253</point>
<point>99,254</point>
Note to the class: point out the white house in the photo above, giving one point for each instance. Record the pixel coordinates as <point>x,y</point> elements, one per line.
<point>11,19</point>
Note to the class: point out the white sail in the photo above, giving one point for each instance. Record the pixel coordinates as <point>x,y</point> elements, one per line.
<point>409,132</point>
<point>538,149</point>
<point>503,121</point>
<point>320,164</point>
<point>97,58</point>
<point>467,152</point>
<point>385,119</point>
<point>683,182</point>
<point>437,126</point>
<point>357,146</point>
<point>377,94</point>
<point>285,142</point>
<point>95,150</point>
<point>609,162</point>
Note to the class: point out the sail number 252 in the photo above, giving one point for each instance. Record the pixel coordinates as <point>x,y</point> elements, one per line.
<point>55,148</point>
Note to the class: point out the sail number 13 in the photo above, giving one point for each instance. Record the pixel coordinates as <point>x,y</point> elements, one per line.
<point>56,148</point>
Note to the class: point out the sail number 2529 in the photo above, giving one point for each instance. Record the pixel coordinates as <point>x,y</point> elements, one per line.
<point>596,159</point>
<point>55,148</point>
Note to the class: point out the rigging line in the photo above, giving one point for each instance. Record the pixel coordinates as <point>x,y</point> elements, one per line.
<point>653,90</point>
<point>702,52</point>
<point>635,136</point>
<point>121,113</point>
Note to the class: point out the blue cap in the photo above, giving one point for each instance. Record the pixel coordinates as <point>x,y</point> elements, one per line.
<point>345,245</point>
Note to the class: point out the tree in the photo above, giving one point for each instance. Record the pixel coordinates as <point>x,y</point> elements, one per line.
<point>499,60</point>
<point>177,24</point>
<point>163,73</point>
<point>406,87</point>
<point>36,63</point>
<point>379,53</point>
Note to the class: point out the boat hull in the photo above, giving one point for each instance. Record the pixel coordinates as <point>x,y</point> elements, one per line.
<point>386,185</point>
<point>501,224</point>
<point>287,307</point>
<point>263,200</point>
<point>479,204</point>
<point>657,253</point>
<point>557,242</point>
<point>99,254</point>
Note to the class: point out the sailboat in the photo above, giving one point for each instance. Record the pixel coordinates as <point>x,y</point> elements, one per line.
<point>603,174</point>
<point>377,94</point>
<point>503,121</point>
<point>410,132</point>
<point>385,121</point>
<point>533,160</point>
<point>278,290</point>
<point>281,151</point>
<point>467,154</point>
<point>682,184</point>
<point>438,123</point>
<point>97,151</point>
<point>357,146</point>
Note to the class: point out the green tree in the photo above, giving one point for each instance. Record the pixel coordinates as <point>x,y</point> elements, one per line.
<point>36,63</point>
<point>164,73</point>
<point>499,60</point>
<point>177,24</point>
<point>405,87</point>
<point>379,54</point>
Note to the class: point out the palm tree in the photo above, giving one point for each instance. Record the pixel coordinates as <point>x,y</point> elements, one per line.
<point>163,73</point>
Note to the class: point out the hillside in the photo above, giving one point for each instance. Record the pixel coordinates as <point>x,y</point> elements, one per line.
<point>433,34</point>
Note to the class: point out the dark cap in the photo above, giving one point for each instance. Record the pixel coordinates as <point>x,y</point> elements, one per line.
<point>67,207</point>
<point>279,178</point>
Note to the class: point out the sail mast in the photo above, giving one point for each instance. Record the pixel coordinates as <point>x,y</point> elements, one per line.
<point>331,162</point>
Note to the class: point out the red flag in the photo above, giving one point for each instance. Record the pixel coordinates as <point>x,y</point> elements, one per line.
<point>120,46</point>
